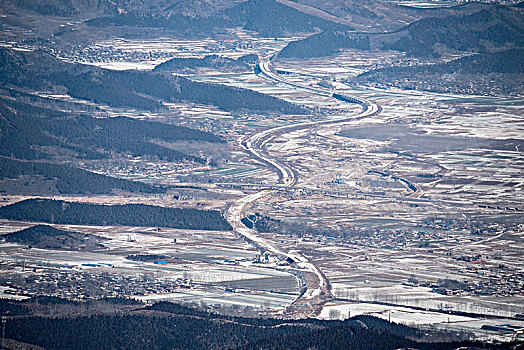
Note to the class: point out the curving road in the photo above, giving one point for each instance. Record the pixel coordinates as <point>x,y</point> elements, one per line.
<point>317,290</point>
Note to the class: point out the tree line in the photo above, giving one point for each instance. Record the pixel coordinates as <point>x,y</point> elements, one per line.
<point>71,180</point>
<point>39,70</point>
<point>179,327</point>
<point>72,213</point>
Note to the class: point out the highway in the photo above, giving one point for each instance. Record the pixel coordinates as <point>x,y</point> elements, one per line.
<point>254,143</point>
<point>315,286</point>
<point>287,178</point>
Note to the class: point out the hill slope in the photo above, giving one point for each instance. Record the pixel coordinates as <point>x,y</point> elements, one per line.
<point>268,17</point>
<point>38,70</point>
<point>51,178</point>
<point>485,73</point>
<point>30,132</point>
<point>490,28</point>
<point>47,237</point>
<point>61,212</point>
<point>223,64</point>
<point>165,325</point>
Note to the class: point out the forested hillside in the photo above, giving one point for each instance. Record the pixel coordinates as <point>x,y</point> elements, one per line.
<point>267,17</point>
<point>127,324</point>
<point>490,73</point>
<point>66,8</point>
<point>41,141</point>
<point>272,18</point>
<point>224,64</point>
<point>27,129</point>
<point>38,70</point>
<point>61,212</point>
<point>325,44</point>
<point>65,179</point>
<point>492,27</point>
<point>47,237</point>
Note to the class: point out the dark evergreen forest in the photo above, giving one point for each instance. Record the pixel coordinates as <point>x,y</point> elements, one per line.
<point>61,212</point>
<point>492,28</point>
<point>268,17</point>
<point>71,180</point>
<point>127,324</point>
<point>39,70</point>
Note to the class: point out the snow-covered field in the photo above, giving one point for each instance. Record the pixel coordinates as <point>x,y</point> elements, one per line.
<point>396,314</point>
